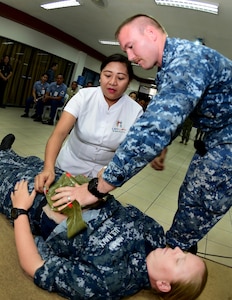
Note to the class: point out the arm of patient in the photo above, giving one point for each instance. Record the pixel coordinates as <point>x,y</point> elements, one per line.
<point>29,258</point>
<point>53,215</point>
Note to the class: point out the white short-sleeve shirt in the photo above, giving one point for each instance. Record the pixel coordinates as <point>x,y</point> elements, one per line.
<point>98,131</point>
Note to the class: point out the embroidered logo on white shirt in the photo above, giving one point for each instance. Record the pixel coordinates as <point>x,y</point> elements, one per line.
<point>118,127</point>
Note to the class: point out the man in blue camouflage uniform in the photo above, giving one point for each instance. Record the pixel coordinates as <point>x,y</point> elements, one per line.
<point>105,261</point>
<point>194,81</point>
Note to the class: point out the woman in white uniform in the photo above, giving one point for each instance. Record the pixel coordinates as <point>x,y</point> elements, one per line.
<point>99,118</point>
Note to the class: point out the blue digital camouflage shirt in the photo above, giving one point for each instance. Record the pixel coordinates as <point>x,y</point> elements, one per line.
<point>105,261</point>
<point>193,80</point>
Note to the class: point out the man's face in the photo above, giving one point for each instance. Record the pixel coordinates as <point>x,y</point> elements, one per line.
<point>139,46</point>
<point>44,78</point>
<point>59,79</point>
<point>74,86</point>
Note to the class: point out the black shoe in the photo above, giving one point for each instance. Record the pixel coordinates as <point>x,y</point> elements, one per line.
<point>34,116</point>
<point>25,116</point>
<point>193,249</point>
<point>48,122</point>
<point>7,141</point>
<point>38,119</point>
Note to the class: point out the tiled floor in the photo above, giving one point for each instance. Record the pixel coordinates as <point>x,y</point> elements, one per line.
<point>153,192</point>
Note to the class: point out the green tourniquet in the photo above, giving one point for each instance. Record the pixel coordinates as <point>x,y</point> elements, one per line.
<point>75,222</point>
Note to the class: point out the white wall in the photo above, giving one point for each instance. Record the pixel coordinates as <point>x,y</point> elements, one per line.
<point>28,36</point>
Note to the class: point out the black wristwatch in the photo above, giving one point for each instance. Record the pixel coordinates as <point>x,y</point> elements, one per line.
<point>92,188</point>
<point>15,212</point>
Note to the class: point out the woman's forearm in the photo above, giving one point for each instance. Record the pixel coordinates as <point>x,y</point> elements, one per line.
<point>104,187</point>
<point>9,76</point>
<point>52,149</point>
<point>57,138</point>
<point>29,258</point>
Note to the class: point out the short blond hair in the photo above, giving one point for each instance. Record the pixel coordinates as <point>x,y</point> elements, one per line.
<point>189,290</point>
<point>143,21</point>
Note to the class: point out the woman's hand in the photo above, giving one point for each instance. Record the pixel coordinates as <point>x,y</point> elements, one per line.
<point>158,162</point>
<point>44,180</point>
<point>20,197</point>
<point>65,195</point>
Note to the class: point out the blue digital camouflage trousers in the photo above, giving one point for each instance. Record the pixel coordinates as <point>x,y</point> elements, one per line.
<point>204,196</point>
<point>14,168</point>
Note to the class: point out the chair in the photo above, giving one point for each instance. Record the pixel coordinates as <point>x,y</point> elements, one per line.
<point>47,109</point>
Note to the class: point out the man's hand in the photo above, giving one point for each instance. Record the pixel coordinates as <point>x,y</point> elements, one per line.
<point>158,162</point>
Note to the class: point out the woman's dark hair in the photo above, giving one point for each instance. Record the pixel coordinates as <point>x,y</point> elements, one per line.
<point>4,56</point>
<point>119,58</point>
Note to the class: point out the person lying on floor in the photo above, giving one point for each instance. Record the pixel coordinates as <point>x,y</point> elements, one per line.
<point>121,251</point>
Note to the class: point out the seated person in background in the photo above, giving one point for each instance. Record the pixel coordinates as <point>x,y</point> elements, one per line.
<point>89,84</point>
<point>99,118</point>
<point>133,95</point>
<point>38,92</point>
<point>54,97</point>
<point>119,253</point>
<point>72,90</point>
<point>143,103</point>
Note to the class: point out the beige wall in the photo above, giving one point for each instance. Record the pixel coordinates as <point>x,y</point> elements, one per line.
<point>28,36</point>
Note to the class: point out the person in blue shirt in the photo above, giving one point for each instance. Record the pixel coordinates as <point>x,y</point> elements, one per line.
<point>51,72</point>
<point>121,251</point>
<point>54,97</point>
<point>38,92</point>
<point>192,81</point>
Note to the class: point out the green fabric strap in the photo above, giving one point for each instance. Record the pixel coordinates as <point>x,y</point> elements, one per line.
<point>75,222</point>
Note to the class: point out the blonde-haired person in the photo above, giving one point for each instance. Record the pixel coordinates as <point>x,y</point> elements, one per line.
<point>121,251</point>
<point>176,275</point>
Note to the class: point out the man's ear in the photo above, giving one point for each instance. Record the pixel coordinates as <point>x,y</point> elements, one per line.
<point>163,286</point>
<point>151,32</point>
